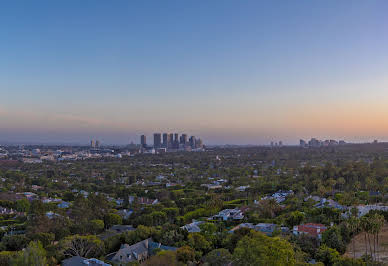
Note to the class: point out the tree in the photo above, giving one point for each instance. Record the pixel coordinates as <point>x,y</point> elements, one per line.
<point>185,254</point>
<point>333,239</point>
<point>6,257</point>
<point>353,224</point>
<point>198,242</point>
<point>295,218</point>
<point>44,238</point>
<point>327,255</point>
<point>219,257</point>
<point>163,258</point>
<point>158,218</point>
<point>34,255</point>
<point>83,246</point>
<point>15,242</point>
<point>96,226</point>
<point>112,219</point>
<point>23,205</point>
<point>259,249</point>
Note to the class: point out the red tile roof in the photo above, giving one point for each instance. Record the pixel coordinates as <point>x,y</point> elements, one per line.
<point>312,229</point>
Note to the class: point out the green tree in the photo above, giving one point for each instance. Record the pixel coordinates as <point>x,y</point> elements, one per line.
<point>44,238</point>
<point>198,242</point>
<point>185,254</point>
<point>259,249</point>
<point>83,246</point>
<point>34,255</point>
<point>333,239</point>
<point>295,218</point>
<point>96,226</point>
<point>112,219</point>
<point>327,255</point>
<point>219,257</point>
<point>23,205</point>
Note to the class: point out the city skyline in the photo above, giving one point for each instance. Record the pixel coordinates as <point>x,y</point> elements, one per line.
<point>244,73</point>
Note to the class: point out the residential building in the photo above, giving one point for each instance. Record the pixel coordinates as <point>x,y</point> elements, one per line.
<point>229,214</point>
<point>311,229</point>
<point>80,261</point>
<point>139,252</point>
<point>193,227</point>
<point>157,140</point>
<point>143,141</point>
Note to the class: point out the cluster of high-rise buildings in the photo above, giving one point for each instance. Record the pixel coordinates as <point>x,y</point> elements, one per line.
<point>172,141</point>
<point>313,142</point>
<point>94,144</point>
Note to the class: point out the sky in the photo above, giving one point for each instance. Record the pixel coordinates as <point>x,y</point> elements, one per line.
<point>230,72</point>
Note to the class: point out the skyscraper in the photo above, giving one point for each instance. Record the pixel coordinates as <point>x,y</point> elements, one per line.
<point>92,144</point>
<point>143,141</point>
<point>157,140</point>
<point>184,139</point>
<point>192,142</point>
<point>170,140</point>
<point>165,140</point>
<point>176,138</point>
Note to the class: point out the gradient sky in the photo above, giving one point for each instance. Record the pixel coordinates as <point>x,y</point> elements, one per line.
<point>242,72</point>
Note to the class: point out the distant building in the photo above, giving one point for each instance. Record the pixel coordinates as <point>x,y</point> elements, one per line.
<point>80,261</point>
<point>184,139</point>
<point>92,144</point>
<point>97,144</point>
<point>170,143</point>
<point>302,143</point>
<point>157,140</point>
<point>143,141</point>
<point>311,229</point>
<point>193,227</point>
<point>165,140</point>
<point>192,142</point>
<point>139,252</point>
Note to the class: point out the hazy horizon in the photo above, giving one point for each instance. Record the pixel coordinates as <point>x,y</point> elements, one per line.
<point>228,72</point>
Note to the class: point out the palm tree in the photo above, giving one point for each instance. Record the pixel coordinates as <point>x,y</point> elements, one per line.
<point>364,224</point>
<point>353,224</point>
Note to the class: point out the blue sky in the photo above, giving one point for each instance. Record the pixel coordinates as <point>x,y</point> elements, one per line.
<point>228,71</point>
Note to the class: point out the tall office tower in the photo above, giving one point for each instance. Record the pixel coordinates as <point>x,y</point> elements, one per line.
<point>157,140</point>
<point>199,143</point>
<point>280,143</point>
<point>92,144</point>
<point>176,138</point>
<point>184,138</point>
<point>302,143</point>
<point>170,140</point>
<point>143,141</point>
<point>192,142</point>
<point>165,140</point>
<point>97,144</point>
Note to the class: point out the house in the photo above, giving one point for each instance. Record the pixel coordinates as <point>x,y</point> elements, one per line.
<point>266,228</point>
<point>243,225</point>
<point>125,213</point>
<point>242,188</point>
<point>329,203</point>
<point>52,215</point>
<point>314,230</point>
<point>63,205</point>
<point>139,252</point>
<point>80,261</point>
<point>142,200</point>
<point>229,214</point>
<point>193,227</point>
<point>280,195</point>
